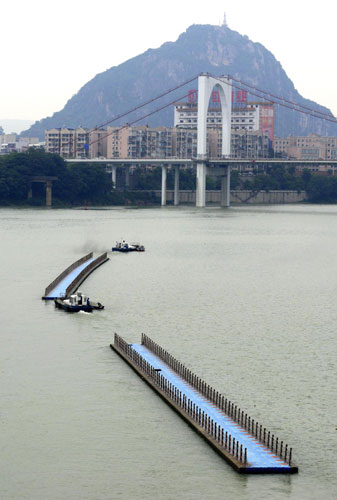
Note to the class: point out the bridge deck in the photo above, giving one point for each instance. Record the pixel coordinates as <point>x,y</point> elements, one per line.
<point>60,289</point>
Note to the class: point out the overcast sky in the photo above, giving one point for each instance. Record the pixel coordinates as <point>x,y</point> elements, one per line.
<point>50,49</point>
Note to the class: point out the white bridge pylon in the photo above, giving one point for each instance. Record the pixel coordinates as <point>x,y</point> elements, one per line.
<point>206,85</point>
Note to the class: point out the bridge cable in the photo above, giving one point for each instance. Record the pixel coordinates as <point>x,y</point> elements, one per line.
<point>329,118</point>
<point>121,115</point>
<point>146,102</point>
<point>284,99</point>
<point>139,119</point>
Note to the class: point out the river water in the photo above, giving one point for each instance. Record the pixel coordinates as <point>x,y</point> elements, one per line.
<point>246,297</point>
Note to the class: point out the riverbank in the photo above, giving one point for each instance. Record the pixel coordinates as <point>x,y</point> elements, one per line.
<point>186,197</point>
<point>274,197</point>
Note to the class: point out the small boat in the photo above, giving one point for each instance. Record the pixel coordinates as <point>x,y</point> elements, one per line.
<point>123,246</point>
<point>77,302</point>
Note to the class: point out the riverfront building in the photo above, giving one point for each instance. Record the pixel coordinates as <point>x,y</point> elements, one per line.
<point>117,142</point>
<point>243,145</point>
<point>311,147</point>
<point>152,142</point>
<point>252,128</point>
<point>61,141</point>
<point>250,116</point>
<point>76,143</point>
<point>139,142</point>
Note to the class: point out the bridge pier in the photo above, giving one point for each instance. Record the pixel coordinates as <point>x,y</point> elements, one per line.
<point>48,182</point>
<point>163,184</point>
<point>48,193</point>
<point>225,188</point>
<point>176,186</point>
<point>127,176</point>
<point>114,176</point>
<point>206,84</point>
<point>200,200</point>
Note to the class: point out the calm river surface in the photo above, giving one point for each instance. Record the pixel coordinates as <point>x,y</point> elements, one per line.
<point>245,297</point>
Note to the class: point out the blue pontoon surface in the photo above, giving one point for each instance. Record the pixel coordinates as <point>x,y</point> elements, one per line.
<point>60,289</point>
<point>258,455</point>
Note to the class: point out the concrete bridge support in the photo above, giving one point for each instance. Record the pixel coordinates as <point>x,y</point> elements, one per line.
<point>163,184</point>
<point>127,176</point>
<point>206,84</point>
<point>47,180</point>
<point>176,185</point>
<point>225,188</point>
<point>200,200</point>
<point>48,193</point>
<point>114,176</point>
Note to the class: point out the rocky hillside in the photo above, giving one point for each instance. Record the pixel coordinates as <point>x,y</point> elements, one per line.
<point>202,48</point>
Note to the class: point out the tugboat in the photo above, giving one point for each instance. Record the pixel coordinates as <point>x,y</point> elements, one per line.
<point>77,302</point>
<point>123,246</point>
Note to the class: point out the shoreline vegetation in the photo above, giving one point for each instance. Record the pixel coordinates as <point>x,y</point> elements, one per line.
<point>90,185</point>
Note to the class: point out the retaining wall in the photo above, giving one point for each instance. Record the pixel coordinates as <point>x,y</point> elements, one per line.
<point>240,196</point>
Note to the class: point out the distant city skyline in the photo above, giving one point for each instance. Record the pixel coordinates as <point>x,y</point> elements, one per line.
<point>49,58</point>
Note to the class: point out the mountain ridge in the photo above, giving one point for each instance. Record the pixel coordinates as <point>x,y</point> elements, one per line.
<point>217,50</point>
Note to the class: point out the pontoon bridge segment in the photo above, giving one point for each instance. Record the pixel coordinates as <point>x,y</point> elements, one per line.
<point>72,277</point>
<point>244,443</point>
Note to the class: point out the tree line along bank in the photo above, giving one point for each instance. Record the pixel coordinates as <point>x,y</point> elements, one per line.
<point>80,184</point>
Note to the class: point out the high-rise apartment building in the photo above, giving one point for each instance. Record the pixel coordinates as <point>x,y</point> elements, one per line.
<point>243,145</point>
<point>250,116</point>
<point>61,141</point>
<point>76,143</point>
<point>117,142</point>
<point>139,142</point>
<point>98,143</point>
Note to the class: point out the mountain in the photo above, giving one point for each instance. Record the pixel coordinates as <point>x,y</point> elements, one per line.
<point>217,50</point>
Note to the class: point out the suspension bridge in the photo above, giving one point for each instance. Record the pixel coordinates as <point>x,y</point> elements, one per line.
<point>219,167</point>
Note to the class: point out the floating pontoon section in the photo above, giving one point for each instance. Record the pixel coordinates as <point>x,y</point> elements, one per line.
<point>71,278</point>
<point>244,443</point>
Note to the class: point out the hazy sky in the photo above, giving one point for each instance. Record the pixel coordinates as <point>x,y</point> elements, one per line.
<point>50,49</point>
